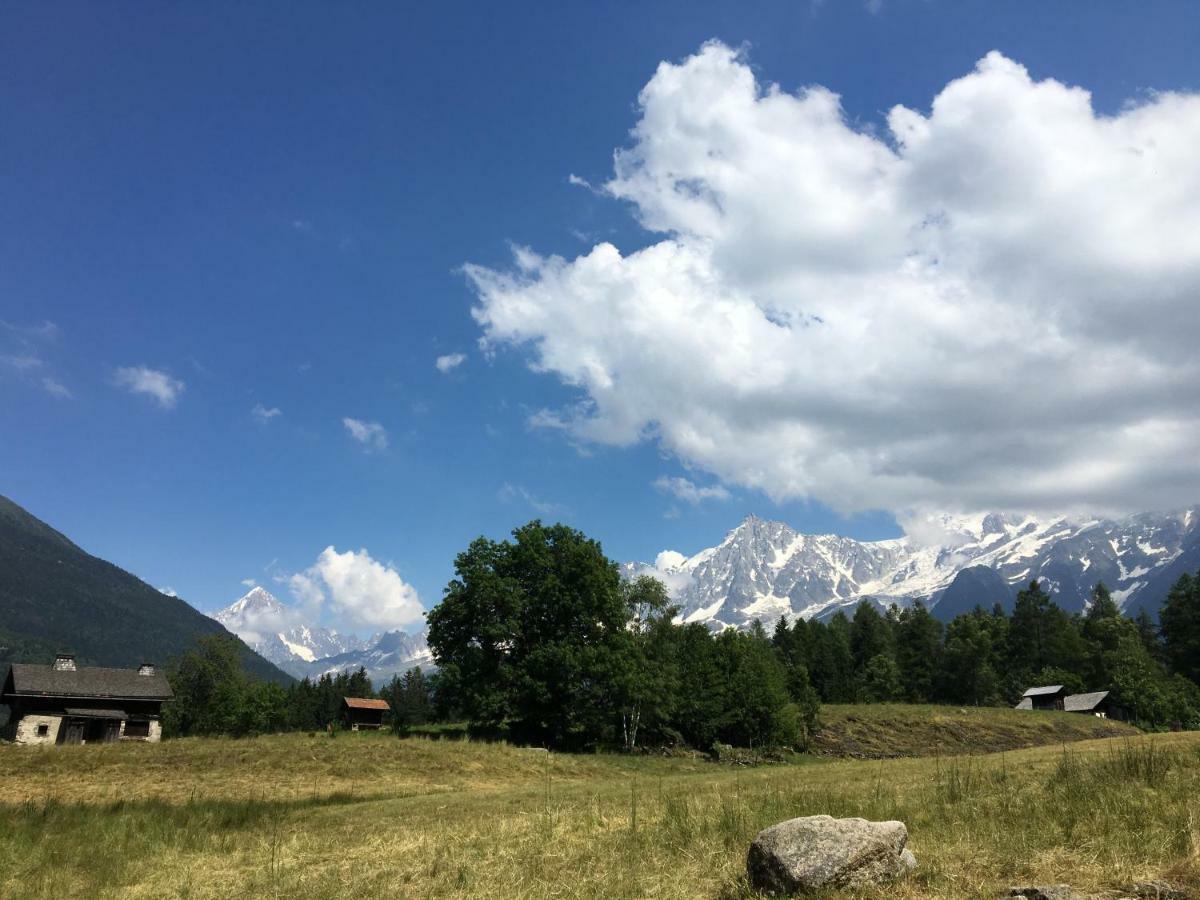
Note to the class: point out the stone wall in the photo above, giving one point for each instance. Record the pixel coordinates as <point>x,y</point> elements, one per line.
<point>28,727</point>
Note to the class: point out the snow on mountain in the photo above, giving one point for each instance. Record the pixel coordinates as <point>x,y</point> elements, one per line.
<point>766,569</point>
<point>274,631</point>
<point>384,655</point>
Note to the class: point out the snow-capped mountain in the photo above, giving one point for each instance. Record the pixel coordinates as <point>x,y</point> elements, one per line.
<point>766,569</point>
<point>273,630</point>
<point>384,655</point>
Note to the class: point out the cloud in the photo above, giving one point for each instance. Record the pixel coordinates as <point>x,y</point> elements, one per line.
<point>56,388</point>
<point>515,493</point>
<point>450,362</point>
<point>989,305</point>
<point>44,330</point>
<point>372,435</point>
<point>158,385</point>
<point>358,590</point>
<point>249,582</point>
<point>263,415</point>
<point>683,489</point>
<point>169,591</point>
<point>22,362</point>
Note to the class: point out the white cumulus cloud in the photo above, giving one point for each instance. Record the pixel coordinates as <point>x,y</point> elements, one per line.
<point>687,491</point>
<point>358,590</point>
<point>371,435</point>
<point>450,362</point>
<point>990,304</point>
<point>156,384</point>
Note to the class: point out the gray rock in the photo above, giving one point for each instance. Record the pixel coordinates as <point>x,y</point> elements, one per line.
<point>1157,890</point>
<point>1047,892</point>
<point>814,852</point>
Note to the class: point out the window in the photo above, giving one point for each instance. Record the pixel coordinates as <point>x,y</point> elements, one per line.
<point>137,729</point>
<point>43,731</point>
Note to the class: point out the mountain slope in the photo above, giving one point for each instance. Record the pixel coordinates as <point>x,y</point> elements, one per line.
<point>766,569</point>
<point>56,597</point>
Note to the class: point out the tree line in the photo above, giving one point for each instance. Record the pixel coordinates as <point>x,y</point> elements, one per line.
<point>541,640</point>
<point>990,657</point>
<point>214,696</point>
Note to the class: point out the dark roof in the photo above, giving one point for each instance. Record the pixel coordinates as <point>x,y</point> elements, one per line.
<point>97,713</point>
<point>1047,689</point>
<point>1084,702</point>
<point>87,681</point>
<point>359,703</point>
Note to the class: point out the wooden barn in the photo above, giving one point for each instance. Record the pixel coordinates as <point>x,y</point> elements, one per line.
<point>359,714</point>
<point>1050,696</point>
<point>64,703</point>
<point>1097,703</point>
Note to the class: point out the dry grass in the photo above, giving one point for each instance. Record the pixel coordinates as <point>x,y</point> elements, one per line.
<point>369,816</point>
<point>888,730</point>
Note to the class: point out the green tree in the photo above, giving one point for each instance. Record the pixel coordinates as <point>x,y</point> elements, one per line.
<point>210,690</point>
<point>1180,622</point>
<point>704,693</point>
<point>974,650</point>
<point>881,680</point>
<point>759,713</point>
<point>918,652</point>
<point>532,632</point>
<point>409,698</point>
<point>651,683</point>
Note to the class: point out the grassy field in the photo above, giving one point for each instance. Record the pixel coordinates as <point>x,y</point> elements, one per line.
<point>888,730</point>
<point>372,816</point>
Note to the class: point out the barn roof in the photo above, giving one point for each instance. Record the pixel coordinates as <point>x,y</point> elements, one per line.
<point>361,703</point>
<point>1043,690</point>
<point>27,680</point>
<point>1084,702</point>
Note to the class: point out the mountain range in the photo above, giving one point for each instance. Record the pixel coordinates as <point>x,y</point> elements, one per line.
<point>765,569</point>
<point>56,597</point>
<point>301,649</point>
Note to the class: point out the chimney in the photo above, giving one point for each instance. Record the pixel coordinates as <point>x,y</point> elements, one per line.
<point>64,662</point>
<point>146,669</point>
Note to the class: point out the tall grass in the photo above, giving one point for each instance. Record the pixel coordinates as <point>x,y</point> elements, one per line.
<point>491,821</point>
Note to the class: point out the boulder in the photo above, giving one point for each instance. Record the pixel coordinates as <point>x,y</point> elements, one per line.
<point>815,852</point>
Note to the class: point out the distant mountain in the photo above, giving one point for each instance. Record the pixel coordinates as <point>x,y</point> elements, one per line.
<point>384,655</point>
<point>270,628</point>
<point>300,649</point>
<point>766,569</point>
<point>55,597</point>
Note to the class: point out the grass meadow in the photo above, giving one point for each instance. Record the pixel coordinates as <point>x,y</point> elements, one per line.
<point>370,815</point>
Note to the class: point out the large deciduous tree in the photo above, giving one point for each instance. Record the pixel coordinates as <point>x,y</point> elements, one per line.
<point>532,633</point>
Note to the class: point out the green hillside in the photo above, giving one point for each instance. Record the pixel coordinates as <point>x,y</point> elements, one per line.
<point>56,597</point>
<point>891,730</point>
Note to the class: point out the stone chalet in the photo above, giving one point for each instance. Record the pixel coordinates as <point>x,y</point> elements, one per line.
<point>68,704</point>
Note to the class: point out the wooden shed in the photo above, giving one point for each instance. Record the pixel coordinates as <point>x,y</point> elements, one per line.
<point>64,703</point>
<point>1097,703</point>
<point>1050,696</point>
<point>359,714</point>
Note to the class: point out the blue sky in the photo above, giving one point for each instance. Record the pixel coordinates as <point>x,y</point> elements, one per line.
<point>272,206</point>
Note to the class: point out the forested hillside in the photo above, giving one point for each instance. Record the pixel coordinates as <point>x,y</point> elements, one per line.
<point>56,597</point>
